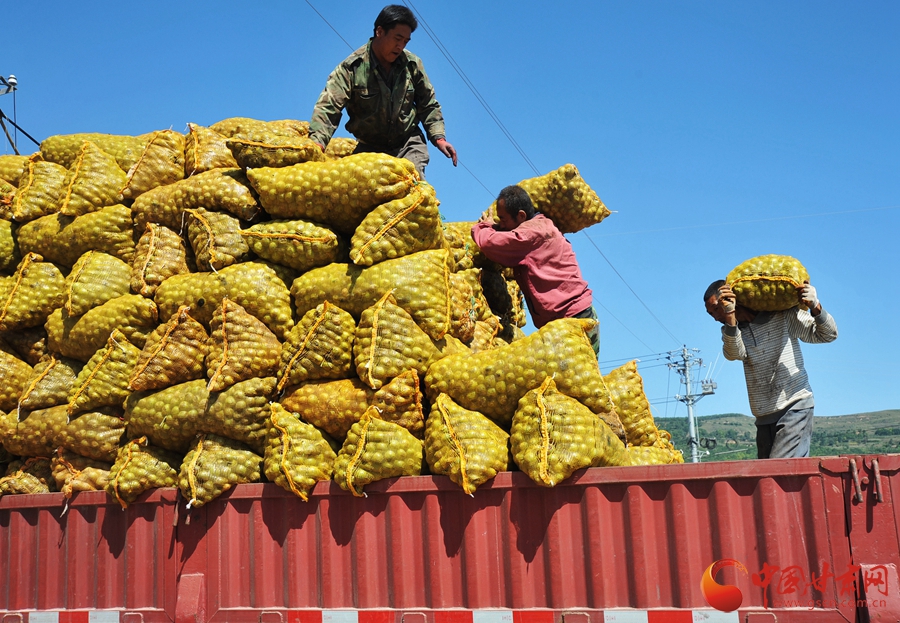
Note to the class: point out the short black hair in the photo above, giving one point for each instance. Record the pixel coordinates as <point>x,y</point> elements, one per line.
<point>515,198</point>
<point>394,14</point>
<point>713,289</point>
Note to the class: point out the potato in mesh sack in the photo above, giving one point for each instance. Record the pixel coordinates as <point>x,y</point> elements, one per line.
<point>375,450</point>
<point>553,435</point>
<point>240,412</point>
<point>216,239</point>
<point>204,150</point>
<point>30,345</point>
<point>297,244</point>
<point>7,195</point>
<point>64,149</point>
<point>103,381</point>
<point>222,190</point>
<point>63,239</point>
<point>320,346</point>
<point>768,282</point>
<point>464,445</point>
<point>298,455</point>
<point>333,406</point>
<point>241,347</point>
<point>259,130</point>
<point>12,168</point>
<point>484,336</point>
<point>213,465</point>
<point>259,287</point>
<point>14,377</point>
<point>50,383</point>
<point>566,199</point>
<point>32,433</point>
<point>340,147</point>
<point>80,337</point>
<point>160,254</point>
<point>281,152</point>
<point>388,342</point>
<point>160,163</point>
<point>492,382</point>
<point>73,472</point>
<point>168,417</point>
<point>337,192</point>
<point>28,299</point>
<point>419,282</point>
<point>202,292</point>
<point>93,181</point>
<point>27,477</point>
<point>626,388</point>
<point>463,308</point>
<point>95,278</point>
<point>400,227</point>
<point>41,187</point>
<point>458,238</point>
<point>174,353</point>
<point>400,402</point>
<point>660,453</point>
<point>94,434</point>
<point>140,467</point>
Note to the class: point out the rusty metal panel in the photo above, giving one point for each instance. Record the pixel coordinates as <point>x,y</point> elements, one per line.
<point>88,556</point>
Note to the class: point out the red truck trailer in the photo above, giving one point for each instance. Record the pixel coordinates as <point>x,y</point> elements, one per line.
<point>801,540</point>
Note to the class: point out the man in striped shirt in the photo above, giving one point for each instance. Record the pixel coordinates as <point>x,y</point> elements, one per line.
<point>768,343</point>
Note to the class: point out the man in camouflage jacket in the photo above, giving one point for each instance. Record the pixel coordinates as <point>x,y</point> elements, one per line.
<point>386,93</point>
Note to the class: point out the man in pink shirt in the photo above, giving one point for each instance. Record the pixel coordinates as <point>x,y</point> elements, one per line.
<point>542,260</point>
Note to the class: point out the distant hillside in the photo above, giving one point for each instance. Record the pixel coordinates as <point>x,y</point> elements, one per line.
<point>732,436</point>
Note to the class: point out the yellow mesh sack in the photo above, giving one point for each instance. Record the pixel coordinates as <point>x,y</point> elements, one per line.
<point>240,412</point>
<point>485,334</point>
<point>320,346</point>
<point>388,342</point>
<point>14,377</point>
<point>213,465</point>
<point>464,445</point>
<point>50,383</point>
<point>297,244</point>
<point>297,454</point>
<point>259,288</point>
<point>337,192</point>
<point>94,434</point>
<point>399,227</point>
<point>40,189</point>
<point>216,239</point>
<point>274,153</point>
<point>259,130</point>
<point>50,237</point>
<point>77,473</point>
<point>222,190</point>
<point>32,433</point>
<point>12,167</point>
<point>7,195</point>
<point>95,278</point>
<point>103,381</point>
<point>419,282</point>
<point>140,467</point>
<point>565,198</point>
<point>626,388</point>
<point>160,254</point>
<point>553,435</point>
<point>492,382</point>
<point>35,290</point>
<point>20,482</point>
<point>202,292</point>
<point>449,345</point>
<point>160,163</point>
<point>81,336</point>
<point>458,238</point>
<point>93,181</point>
<point>768,282</point>
<point>661,453</point>
<point>64,149</point>
<point>340,147</point>
<point>173,353</point>
<point>30,345</point>
<point>168,417</point>
<point>375,450</point>
<point>241,347</point>
<point>333,406</point>
<point>400,402</point>
<point>463,308</point>
<point>204,150</point>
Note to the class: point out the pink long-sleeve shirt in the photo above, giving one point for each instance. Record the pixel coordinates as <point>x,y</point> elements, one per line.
<point>544,265</point>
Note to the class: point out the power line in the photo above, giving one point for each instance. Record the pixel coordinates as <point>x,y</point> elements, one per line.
<point>329,25</point>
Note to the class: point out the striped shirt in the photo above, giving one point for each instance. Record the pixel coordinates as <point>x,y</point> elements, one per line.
<point>769,347</point>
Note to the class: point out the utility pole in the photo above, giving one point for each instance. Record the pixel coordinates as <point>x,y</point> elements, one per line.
<point>10,85</point>
<point>683,367</point>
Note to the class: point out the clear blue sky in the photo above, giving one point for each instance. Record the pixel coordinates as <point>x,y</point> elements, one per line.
<point>716,131</point>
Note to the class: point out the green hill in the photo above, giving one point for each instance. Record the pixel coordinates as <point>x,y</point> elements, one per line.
<point>732,436</point>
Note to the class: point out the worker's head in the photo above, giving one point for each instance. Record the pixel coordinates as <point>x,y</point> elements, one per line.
<point>393,28</point>
<point>711,299</point>
<point>514,207</point>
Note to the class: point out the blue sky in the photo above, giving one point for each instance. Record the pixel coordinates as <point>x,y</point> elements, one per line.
<point>716,131</point>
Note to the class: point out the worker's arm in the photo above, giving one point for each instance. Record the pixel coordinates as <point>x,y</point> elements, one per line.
<point>428,109</point>
<point>816,326</point>
<point>508,248</point>
<point>329,107</point>
<point>732,344</point>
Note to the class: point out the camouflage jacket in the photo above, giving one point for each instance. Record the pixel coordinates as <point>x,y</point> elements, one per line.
<point>379,114</point>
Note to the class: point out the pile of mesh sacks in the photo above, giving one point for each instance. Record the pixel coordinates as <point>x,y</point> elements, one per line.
<point>231,305</point>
